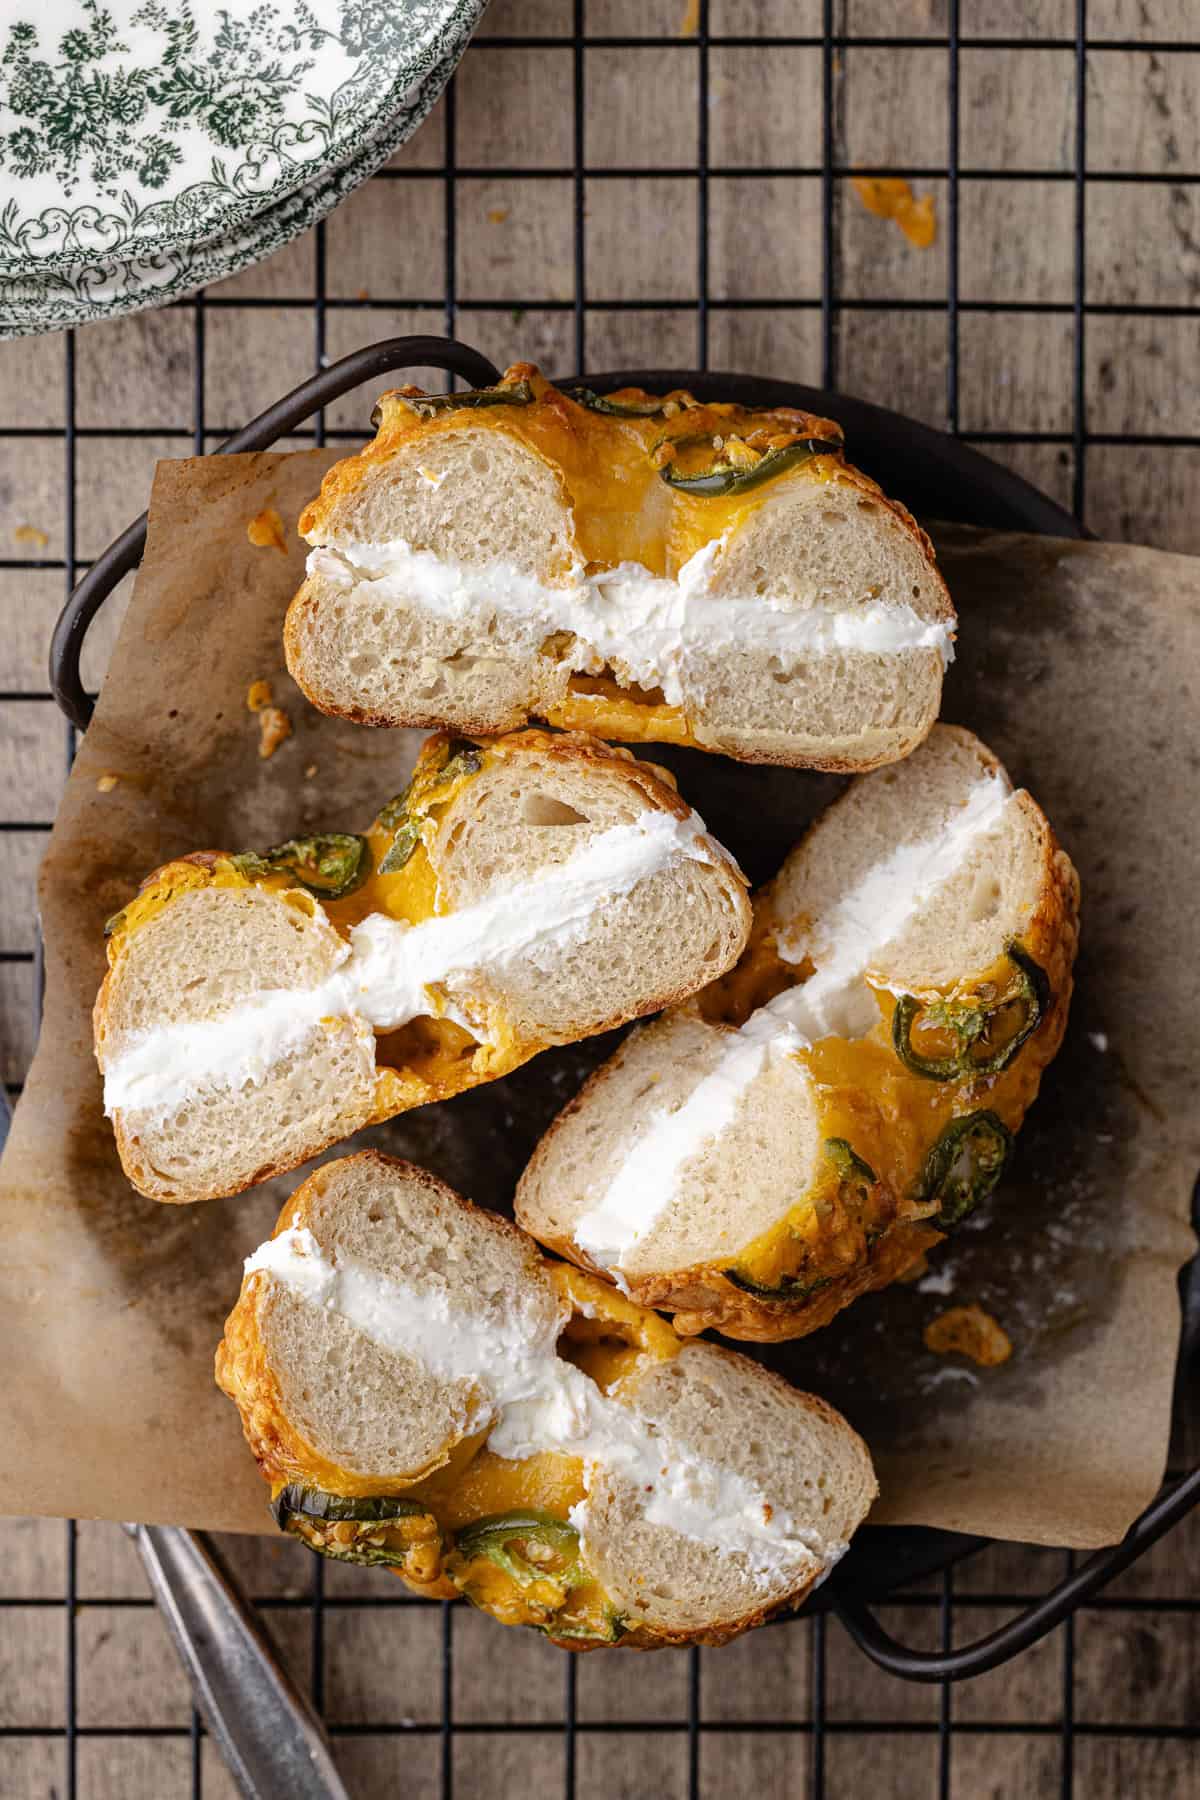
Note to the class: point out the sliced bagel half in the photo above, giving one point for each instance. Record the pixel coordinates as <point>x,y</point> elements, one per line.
<point>646,567</point>
<point>811,1123</point>
<point>422,1390</point>
<point>521,892</point>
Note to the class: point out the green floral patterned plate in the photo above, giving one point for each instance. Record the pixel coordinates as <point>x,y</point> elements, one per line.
<point>137,136</point>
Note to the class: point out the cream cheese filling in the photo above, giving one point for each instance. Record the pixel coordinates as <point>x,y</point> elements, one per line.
<point>834,1000</point>
<point>648,1179</point>
<point>534,1400</point>
<point>388,967</point>
<point>653,630</point>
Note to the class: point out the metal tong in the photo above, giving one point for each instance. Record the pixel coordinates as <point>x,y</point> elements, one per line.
<point>271,1739</point>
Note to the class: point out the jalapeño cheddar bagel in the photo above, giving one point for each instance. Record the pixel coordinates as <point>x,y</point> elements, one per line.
<point>813,1121</point>
<point>423,1391</point>
<point>521,892</point>
<point>650,568</point>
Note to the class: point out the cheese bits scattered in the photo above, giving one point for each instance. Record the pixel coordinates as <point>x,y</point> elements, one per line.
<point>265,531</point>
<point>890,198</point>
<point>971,1332</point>
<point>273,723</point>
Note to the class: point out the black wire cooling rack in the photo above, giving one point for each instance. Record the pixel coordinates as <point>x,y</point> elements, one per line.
<point>912,1555</point>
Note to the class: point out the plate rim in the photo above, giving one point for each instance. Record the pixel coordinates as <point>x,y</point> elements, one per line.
<point>68,313</point>
<point>449,36</point>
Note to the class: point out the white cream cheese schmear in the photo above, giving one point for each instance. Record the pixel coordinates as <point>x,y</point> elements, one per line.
<point>162,1068</point>
<point>648,1179</point>
<point>388,967</point>
<point>835,999</point>
<point>649,628</point>
<point>536,1401</point>
<point>872,915</point>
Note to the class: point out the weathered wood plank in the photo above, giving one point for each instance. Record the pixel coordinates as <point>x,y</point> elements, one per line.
<point>32,760</point>
<point>36,1766</point>
<point>1133,380</point>
<point>514,110</point>
<point>627,125</point>
<point>860,1765</point>
<point>531,1764</point>
<point>1146,20</point>
<point>1016,371</point>
<point>659,218</point>
<point>1019,18</point>
<point>128,1671</point>
<point>1029,1689</point>
<point>378,1666</point>
<point>32,1667</point>
<point>1152,1771</point>
<point>629,1766</point>
<point>751,89</point>
<point>30,601</point>
<point>514,240</point>
<point>136,372</point>
<point>612,1688</point>
<point>1017,109</point>
<point>739,1682</point>
<point>898,358</point>
<point>851,1694</point>
<point>997,1767</point>
<point>387,242</point>
<point>126,1768</point>
<point>18,877</point>
<point>1016,241</point>
<point>769,1764</point>
<point>1143,498</point>
<point>764,238</point>
<point>1143,245</point>
<point>1138,1669</point>
<point>31,487</point>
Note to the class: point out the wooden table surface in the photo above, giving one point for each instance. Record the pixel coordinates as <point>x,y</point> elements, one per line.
<point>161,384</point>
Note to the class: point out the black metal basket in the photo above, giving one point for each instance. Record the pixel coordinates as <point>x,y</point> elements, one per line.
<point>933,474</point>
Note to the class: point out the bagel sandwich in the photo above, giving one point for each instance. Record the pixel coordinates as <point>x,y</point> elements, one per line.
<point>650,568</point>
<point>523,891</point>
<point>812,1122</point>
<point>424,1391</point>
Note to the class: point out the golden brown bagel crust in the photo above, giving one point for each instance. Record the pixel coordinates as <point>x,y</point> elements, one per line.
<point>703,1298</point>
<point>568,439</point>
<point>397,1090</point>
<point>244,1372</point>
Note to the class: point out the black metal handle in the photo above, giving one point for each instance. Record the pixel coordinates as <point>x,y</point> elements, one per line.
<point>123,555</point>
<point>1018,1634</point>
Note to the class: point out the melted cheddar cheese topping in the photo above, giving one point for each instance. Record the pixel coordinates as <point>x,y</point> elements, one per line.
<point>610,1339</point>
<point>609,465</point>
<point>598,704</point>
<point>869,1100</point>
<point>609,462</point>
<point>431,1057</point>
